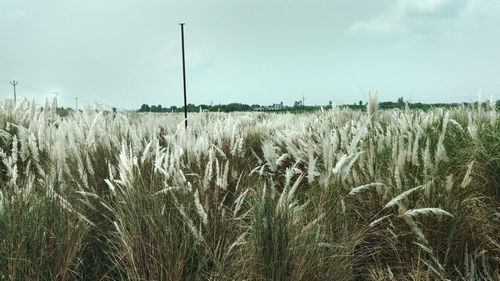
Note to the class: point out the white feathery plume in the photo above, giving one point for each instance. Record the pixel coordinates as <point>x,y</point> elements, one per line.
<point>472,126</point>
<point>159,161</point>
<point>440,154</point>
<point>456,124</point>
<point>428,166</point>
<point>270,154</point>
<point>394,152</point>
<point>197,234</point>
<point>402,196</point>
<point>53,109</point>
<point>440,149</point>
<point>409,147</point>
<point>90,168</point>
<point>239,202</point>
<point>343,137</point>
<point>22,134</point>
<point>221,180</point>
<point>467,178</point>
<point>1,203</point>
<point>292,191</point>
<point>311,163</point>
<point>289,173</point>
<point>379,220</point>
<point>46,111</point>
<point>401,159</point>
<point>208,171</point>
<point>199,208</point>
<point>414,155</point>
<point>372,105</point>
<point>364,187</point>
<point>87,194</point>
<point>414,227</point>
<point>493,112</point>
<point>335,140</point>
<point>310,225</point>
<point>282,159</point>
<point>353,146</point>
<point>259,161</point>
<point>121,234</point>
<point>371,159</point>
<point>340,163</point>
<point>167,190</point>
<point>427,211</point>
<point>146,152</point>
<point>33,147</point>
<point>220,151</point>
<point>14,150</point>
<point>239,241</point>
<point>349,166</point>
<point>449,183</point>
<point>397,178</point>
<point>65,204</point>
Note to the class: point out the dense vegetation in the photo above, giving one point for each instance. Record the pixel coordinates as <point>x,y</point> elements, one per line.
<point>300,107</point>
<point>397,194</point>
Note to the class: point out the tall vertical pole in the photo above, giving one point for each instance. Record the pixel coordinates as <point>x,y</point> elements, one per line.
<point>184,76</point>
<point>14,84</point>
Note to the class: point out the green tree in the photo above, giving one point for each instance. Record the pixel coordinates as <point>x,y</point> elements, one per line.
<point>401,102</point>
<point>145,108</point>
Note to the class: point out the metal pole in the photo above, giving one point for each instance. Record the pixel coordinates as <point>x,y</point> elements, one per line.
<point>14,84</point>
<point>184,76</point>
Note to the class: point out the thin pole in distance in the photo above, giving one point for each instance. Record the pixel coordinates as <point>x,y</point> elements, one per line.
<point>184,76</point>
<point>14,84</point>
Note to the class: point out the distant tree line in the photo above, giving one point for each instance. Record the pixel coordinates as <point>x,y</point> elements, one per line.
<point>298,106</point>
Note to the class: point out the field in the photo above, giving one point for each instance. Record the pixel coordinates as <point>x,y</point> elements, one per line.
<point>332,195</point>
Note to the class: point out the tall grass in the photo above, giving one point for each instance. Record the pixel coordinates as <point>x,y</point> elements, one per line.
<point>333,195</point>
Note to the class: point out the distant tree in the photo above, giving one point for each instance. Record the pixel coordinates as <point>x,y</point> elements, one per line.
<point>401,102</point>
<point>63,112</point>
<point>360,103</point>
<point>145,108</point>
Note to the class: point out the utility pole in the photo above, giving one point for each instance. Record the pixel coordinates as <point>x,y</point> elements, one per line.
<point>14,84</point>
<point>76,103</point>
<point>303,99</point>
<point>184,76</point>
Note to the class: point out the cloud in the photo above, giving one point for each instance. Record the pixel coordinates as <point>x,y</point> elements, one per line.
<point>380,24</point>
<point>430,8</point>
<point>407,16</point>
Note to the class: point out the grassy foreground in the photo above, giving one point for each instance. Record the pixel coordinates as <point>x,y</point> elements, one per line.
<point>334,195</point>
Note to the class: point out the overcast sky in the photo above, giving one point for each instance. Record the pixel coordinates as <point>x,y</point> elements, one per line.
<point>126,53</point>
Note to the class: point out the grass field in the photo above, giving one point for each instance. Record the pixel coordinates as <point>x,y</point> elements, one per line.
<point>333,195</point>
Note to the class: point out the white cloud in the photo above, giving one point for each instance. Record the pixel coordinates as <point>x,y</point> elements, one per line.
<point>429,8</point>
<point>410,16</point>
<point>381,24</point>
